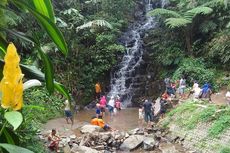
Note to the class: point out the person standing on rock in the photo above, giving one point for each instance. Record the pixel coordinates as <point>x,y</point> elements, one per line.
<point>147,107</point>
<point>111,104</point>
<point>68,112</point>
<point>97,91</point>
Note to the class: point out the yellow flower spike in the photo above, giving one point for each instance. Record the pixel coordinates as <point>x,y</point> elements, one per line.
<point>11,85</point>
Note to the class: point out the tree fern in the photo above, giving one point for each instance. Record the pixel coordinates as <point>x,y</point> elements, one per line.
<point>95,23</point>
<point>161,11</point>
<point>177,22</point>
<point>198,10</point>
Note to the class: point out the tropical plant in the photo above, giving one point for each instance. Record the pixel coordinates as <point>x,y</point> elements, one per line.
<point>184,20</point>
<point>11,86</point>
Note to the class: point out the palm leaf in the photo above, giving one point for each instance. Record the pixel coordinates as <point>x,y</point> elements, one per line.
<point>161,11</point>
<point>95,23</point>
<point>177,22</point>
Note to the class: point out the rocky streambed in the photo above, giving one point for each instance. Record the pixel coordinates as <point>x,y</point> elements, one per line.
<point>94,140</point>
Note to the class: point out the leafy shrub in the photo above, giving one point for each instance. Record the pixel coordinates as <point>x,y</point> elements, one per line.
<point>225,150</point>
<point>194,69</point>
<point>39,108</point>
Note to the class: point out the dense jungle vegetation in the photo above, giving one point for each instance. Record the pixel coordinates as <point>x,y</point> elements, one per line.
<point>76,42</point>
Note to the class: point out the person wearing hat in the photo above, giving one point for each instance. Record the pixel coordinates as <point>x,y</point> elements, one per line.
<point>68,112</point>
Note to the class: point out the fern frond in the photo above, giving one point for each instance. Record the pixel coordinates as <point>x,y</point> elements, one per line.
<point>92,1</point>
<point>196,11</point>
<point>95,23</point>
<point>177,22</point>
<point>217,3</point>
<point>161,11</point>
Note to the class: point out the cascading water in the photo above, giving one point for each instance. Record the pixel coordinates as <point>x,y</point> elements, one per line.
<point>122,80</point>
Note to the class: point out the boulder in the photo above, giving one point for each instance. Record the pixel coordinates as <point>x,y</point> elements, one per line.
<point>149,143</point>
<point>83,149</point>
<point>132,142</point>
<point>90,129</point>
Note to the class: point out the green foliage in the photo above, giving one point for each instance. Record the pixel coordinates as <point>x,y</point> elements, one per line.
<point>225,150</point>
<point>220,125</point>
<point>39,107</point>
<point>177,22</point>
<point>94,24</point>
<point>190,113</point>
<point>166,12</point>
<point>219,48</point>
<point>194,69</point>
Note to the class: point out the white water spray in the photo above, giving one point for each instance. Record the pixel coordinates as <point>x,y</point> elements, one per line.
<point>122,80</point>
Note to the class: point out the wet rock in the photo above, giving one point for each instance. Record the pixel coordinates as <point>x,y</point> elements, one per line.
<point>100,147</point>
<point>149,143</point>
<point>66,149</point>
<point>132,142</point>
<point>72,137</point>
<point>90,129</point>
<point>134,131</point>
<point>83,149</point>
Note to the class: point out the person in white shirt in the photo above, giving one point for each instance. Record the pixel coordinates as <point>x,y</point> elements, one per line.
<point>111,105</point>
<point>68,112</point>
<point>228,97</point>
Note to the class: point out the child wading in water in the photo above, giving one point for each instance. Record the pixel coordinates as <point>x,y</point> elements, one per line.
<point>141,117</point>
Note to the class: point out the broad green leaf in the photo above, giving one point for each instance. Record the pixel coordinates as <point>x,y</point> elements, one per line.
<point>8,137</point>
<point>61,89</point>
<point>3,46</point>
<point>48,25</point>
<point>44,7</point>
<point>14,149</point>
<point>49,74</point>
<point>14,118</point>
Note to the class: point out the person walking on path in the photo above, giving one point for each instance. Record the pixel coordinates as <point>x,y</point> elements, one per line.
<point>111,104</point>
<point>103,103</point>
<point>206,92</point>
<point>97,90</point>
<point>182,86</point>
<point>147,107</point>
<point>68,112</point>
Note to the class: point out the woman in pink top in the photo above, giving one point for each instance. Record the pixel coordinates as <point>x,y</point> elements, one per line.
<point>103,105</point>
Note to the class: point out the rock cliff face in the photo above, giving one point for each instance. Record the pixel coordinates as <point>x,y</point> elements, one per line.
<point>136,75</point>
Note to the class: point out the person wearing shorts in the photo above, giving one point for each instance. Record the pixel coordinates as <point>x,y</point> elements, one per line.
<point>68,112</point>
<point>147,107</point>
<point>111,104</point>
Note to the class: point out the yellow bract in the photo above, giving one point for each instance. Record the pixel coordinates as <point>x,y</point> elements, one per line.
<point>11,85</point>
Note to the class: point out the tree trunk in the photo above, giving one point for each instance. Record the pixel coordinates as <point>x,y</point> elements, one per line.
<point>188,42</point>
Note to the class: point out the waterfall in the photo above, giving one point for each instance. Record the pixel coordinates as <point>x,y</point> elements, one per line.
<point>122,79</point>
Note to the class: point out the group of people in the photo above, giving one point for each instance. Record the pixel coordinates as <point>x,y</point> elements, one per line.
<point>204,92</point>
